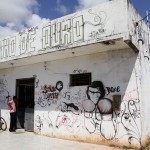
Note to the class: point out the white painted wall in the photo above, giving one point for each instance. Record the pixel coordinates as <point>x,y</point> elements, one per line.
<point>123,70</point>
<point>140,35</point>
<point>145,86</point>
<point>116,69</point>
<point>137,27</point>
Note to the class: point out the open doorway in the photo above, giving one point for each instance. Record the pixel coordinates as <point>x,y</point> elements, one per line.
<point>25,109</point>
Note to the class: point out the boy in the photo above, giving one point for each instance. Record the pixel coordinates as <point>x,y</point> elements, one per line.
<point>13,116</point>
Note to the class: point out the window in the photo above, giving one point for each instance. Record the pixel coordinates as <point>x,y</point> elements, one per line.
<point>80,79</point>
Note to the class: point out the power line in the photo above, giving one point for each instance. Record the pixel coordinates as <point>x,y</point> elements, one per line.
<point>144,17</point>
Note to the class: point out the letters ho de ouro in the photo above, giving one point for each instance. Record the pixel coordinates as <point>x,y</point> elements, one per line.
<point>60,33</point>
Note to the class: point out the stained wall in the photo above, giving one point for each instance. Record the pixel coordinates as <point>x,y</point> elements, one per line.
<point>77,112</point>
<point>85,113</point>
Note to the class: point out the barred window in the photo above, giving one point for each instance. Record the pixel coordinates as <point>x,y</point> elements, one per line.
<point>80,79</point>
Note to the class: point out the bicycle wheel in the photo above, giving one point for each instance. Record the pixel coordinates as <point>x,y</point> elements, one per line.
<point>3,125</point>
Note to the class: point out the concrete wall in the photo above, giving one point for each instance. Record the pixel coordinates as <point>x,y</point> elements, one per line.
<point>145,94</point>
<point>140,35</point>
<point>69,113</point>
<point>137,27</point>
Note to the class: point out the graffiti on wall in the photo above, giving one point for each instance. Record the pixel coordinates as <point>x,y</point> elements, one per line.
<point>42,121</point>
<point>130,115</point>
<point>72,30</point>
<point>68,121</point>
<point>38,123</point>
<point>57,34</point>
<point>49,94</point>
<point>112,90</point>
<point>97,34</point>
<point>143,38</point>
<point>95,103</point>
<point>98,111</point>
<point>71,102</point>
<point>100,116</point>
<point>66,107</point>
<point>77,70</point>
<point>4,93</point>
<point>57,121</point>
<point>142,34</point>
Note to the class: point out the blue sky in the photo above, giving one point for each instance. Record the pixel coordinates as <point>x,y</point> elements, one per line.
<point>55,8</point>
<point>16,15</point>
<point>142,6</point>
<point>47,7</point>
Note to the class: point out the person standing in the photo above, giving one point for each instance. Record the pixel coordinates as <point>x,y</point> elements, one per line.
<point>13,115</point>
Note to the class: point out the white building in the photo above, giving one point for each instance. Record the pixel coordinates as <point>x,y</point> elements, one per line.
<point>59,72</point>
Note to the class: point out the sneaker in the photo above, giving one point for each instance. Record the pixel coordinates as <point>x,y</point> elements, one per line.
<point>12,130</point>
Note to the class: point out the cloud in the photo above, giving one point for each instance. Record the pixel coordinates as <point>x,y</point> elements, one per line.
<point>61,8</point>
<point>17,11</point>
<point>6,31</point>
<point>16,15</point>
<point>36,20</point>
<point>83,4</point>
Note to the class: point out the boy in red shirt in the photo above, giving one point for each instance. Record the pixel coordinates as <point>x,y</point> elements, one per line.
<point>13,116</point>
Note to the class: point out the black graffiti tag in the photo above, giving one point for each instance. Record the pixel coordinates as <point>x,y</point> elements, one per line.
<point>50,94</point>
<point>112,90</point>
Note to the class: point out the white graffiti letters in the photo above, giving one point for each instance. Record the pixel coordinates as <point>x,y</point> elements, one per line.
<point>63,33</point>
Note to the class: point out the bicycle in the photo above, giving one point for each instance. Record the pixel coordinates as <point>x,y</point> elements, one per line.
<point>3,125</point>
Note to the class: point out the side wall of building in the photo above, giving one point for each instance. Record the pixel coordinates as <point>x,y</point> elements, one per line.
<point>140,35</point>
<point>68,112</point>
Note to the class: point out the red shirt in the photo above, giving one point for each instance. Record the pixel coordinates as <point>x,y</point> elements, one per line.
<point>12,106</point>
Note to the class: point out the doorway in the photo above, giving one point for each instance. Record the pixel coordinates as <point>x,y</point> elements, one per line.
<point>25,109</point>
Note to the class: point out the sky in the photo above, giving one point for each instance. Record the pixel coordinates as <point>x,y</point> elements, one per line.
<point>17,15</point>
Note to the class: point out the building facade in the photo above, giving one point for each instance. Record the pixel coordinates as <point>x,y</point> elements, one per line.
<point>81,77</point>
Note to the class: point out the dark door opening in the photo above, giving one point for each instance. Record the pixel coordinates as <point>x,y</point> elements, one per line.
<point>25,110</point>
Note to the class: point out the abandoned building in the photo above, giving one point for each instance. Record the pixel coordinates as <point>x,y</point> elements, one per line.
<point>84,77</point>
